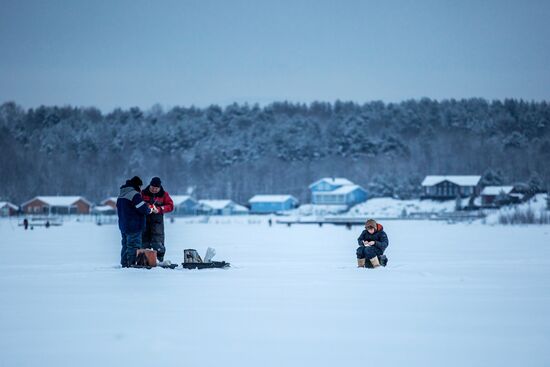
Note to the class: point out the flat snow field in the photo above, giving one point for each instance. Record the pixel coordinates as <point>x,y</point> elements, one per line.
<point>451,295</point>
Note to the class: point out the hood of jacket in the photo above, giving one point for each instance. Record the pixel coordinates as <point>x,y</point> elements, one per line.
<point>127,192</point>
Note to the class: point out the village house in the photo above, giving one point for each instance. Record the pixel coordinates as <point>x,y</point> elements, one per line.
<point>57,205</point>
<point>220,207</point>
<point>449,187</point>
<point>8,209</point>
<point>184,205</point>
<point>336,191</point>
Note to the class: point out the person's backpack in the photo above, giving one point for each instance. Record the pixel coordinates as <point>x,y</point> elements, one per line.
<point>141,260</point>
<point>146,257</point>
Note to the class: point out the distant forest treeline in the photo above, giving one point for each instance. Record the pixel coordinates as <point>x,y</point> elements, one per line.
<point>240,150</point>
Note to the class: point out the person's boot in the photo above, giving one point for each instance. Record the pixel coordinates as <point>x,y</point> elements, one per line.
<point>361,263</point>
<point>374,261</point>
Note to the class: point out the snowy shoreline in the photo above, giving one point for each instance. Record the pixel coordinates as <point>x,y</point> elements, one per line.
<point>383,209</point>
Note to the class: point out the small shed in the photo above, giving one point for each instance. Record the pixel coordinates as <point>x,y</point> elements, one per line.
<point>57,205</point>
<point>8,209</point>
<point>499,195</point>
<point>110,201</point>
<point>272,203</point>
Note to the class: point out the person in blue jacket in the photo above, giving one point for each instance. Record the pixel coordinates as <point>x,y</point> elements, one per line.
<point>372,242</point>
<point>131,211</point>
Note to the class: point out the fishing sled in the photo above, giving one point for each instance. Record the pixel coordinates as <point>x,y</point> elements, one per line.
<point>192,260</point>
<point>169,266</point>
<point>210,265</point>
<point>147,259</point>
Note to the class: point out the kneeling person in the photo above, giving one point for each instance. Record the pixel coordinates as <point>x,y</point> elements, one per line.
<point>373,241</point>
<point>161,202</point>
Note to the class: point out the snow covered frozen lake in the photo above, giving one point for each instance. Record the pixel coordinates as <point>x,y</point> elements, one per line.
<point>451,295</point>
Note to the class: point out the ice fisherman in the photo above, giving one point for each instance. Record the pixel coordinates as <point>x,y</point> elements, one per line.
<point>153,235</point>
<point>132,211</point>
<point>373,241</point>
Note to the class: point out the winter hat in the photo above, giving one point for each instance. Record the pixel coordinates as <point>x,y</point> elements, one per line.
<point>155,181</point>
<point>371,223</point>
<point>135,182</point>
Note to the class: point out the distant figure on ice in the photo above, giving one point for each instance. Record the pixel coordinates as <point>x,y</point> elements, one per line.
<point>47,225</point>
<point>373,241</point>
<point>26,223</point>
<point>157,198</point>
<point>131,211</point>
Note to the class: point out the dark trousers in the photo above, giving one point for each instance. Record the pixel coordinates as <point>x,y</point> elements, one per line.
<point>153,235</point>
<point>368,252</point>
<point>131,242</point>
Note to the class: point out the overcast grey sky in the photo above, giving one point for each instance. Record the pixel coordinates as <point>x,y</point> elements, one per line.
<point>137,53</point>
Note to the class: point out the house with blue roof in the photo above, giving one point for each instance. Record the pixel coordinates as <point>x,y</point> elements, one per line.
<point>272,203</point>
<point>336,191</point>
<point>184,205</point>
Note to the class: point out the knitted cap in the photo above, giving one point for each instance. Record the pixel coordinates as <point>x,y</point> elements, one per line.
<point>155,181</point>
<point>371,223</point>
<point>135,181</point>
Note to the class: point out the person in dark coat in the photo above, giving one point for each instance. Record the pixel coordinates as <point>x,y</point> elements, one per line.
<point>132,211</point>
<point>373,241</point>
<point>158,198</point>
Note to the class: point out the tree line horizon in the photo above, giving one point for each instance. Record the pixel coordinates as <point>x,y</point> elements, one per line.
<point>240,150</point>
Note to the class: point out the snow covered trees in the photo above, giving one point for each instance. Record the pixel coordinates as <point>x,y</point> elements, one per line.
<point>241,150</point>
